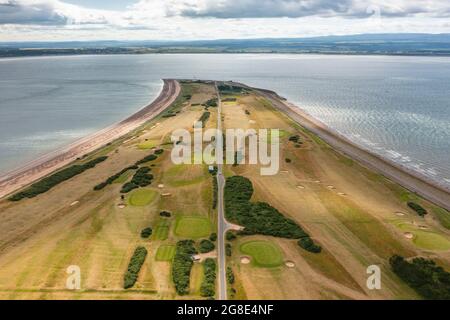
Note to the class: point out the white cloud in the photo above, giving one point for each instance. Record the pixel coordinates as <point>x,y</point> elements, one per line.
<point>199,19</point>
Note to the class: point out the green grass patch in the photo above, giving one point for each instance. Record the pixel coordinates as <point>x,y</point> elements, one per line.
<point>148,144</point>
<point>165,253</point>
<point>161,231</point>
<point>443,216</point>
<point>124,177</point>
<point>142,197</point>
<point>193,227</point>
<point>264,253</point>
<point>425,239</point>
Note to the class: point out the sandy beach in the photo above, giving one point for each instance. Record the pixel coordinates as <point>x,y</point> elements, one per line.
<point>410,180</point>
<point>40,167</point>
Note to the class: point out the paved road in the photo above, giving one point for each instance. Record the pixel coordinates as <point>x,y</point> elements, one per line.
<point>223,225</point>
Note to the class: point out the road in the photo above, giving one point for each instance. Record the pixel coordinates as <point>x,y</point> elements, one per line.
<point>223,225</point>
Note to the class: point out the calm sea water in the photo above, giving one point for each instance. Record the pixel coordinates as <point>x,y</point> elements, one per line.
<point>398,107</point>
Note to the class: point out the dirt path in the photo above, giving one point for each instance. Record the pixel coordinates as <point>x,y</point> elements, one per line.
<point>43,166</point>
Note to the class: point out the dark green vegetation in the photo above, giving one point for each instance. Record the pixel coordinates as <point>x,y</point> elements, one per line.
<point>136,262</point>
<point>230,236</point>
<point>141,178</point>
<point>229,100</point>
<point>208,287</point>
<point>228,249</point>
<point>146,233</point>
<point>148,158</point>
<point>230,89</point>
<point>295,138</point>
<point>417,208</point>
<point>206,246</point>
<point>259,217</point>
<point>230,275</point>
<point>111,179</point>
<point>159,151</point>
<point>49,182</point>
<point>211,103</point>
<point>424,276</point>
<point>182,265</point>
<point>215,192</point>
<point>166,214</point>
<point>309,245</point>
<point>213,237</point>
<point>204,118</point>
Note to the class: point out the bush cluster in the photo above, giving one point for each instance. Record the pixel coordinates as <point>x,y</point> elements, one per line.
<point>141,178</point>
<point>421,211</point>
<point>146,233</point>
<point>230,275</point>
<point>230,89</point>
<point>112,178</point>
<point>159,151</point>
<point>148,158</point>
<point>49,182</point>
<point>295,138</point>
<point>215,193</point>
<point>213,237</point>
<point>182,265</point>
<point>208,287</point>
<point>204,118</point>
<point>423,275</point>
<point>259,217</point>
<point>212,103</point>
<point>206,246</point>
<point>166,214</point>
<point>136,262</point>
<point>230,236</point>
<point>308,244</point>
<point>228,249</point>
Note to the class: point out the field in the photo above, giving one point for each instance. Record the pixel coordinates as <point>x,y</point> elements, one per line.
<point>357,216</point>
<point>263,253</point>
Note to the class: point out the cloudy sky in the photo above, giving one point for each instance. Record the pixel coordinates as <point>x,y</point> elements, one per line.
<point>22,20</point>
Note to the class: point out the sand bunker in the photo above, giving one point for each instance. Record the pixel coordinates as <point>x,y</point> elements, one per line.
<point>160,186</point>
<point>245,260</point>
<point>166,194</point>
<point>290,264</point>
<point>400,214</point>
<point>423,227</point>
<point>317,181</point>
<point>342,194</point>
<point>252,121</point>
<point>408,235</point>
<point>74,203</point>
<point>121,206</point>
<point>301,187</point>
<point>331,187</point>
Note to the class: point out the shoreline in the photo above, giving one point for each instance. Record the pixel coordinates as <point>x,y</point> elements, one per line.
<point>412,181</point>
<point>32,171</point>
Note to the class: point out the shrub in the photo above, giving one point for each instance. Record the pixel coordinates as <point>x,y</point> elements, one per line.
<point>51,181</point>
<point>308,244</point>
<point>230,275</point>
<point>182,265</point>
<point>212,103</point>
<point>424,276</point>
<point>215,193</point>
<point>141,178</point>
<point>418,208</point>
<point>129,186</point>
<point>147,159</point>
<point>146,233</point>
<point>228,249</point>
<point>213,237</point>
<point>288,160</point>
<point>206,246</point>
<point>166,214</point>
<point>204,118</point>
<point>230,236</point>
<point>111,179</point>
<point>136,262</point>
<point>159,151</point>
<point>295,138</point>
<point>208,287</point>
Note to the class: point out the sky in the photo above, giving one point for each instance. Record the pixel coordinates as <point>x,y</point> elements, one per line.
<point>68,20</point>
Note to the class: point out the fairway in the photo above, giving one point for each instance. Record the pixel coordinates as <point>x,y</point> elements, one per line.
<point>142,197</point>
<point>148,144</point>
<point>264,253</point>
<point>165,253</point>
<point>193,227</point>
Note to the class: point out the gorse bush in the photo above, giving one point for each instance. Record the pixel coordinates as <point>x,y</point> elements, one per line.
<point>228,249</point>
<point>212,103</point>
<point>204,118</point>
<point>424,276</point>
<point>230,275</point>
<point>146,233</point>
<point>208,286</point>
<point>148,158</point>
<point>206,246</point>
<point>182,265</point>
<point>136,262</point>
<point>418,208</point>
<point>259,217</point>
<point>113,178</point>
<point>213,237</point>
<point>308,244</point>
<point>141,178</point>
<point>166,214</point>
<point>49,182</point>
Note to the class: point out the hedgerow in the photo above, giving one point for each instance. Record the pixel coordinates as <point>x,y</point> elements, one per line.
<point>418,208</point>
<point>182,265</point>
<point>112,178</point>
<point>208,287</point>
<point>51,181</point>
<point>136,262</point>
<point>141,178</point>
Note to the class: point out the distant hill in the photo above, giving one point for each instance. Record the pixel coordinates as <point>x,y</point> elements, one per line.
<point>390,44</point>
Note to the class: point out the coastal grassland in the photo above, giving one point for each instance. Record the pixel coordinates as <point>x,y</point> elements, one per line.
<point>345,207</point>
<point>72,224</point>
<point>264,253</point>
<point>193,227</point>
